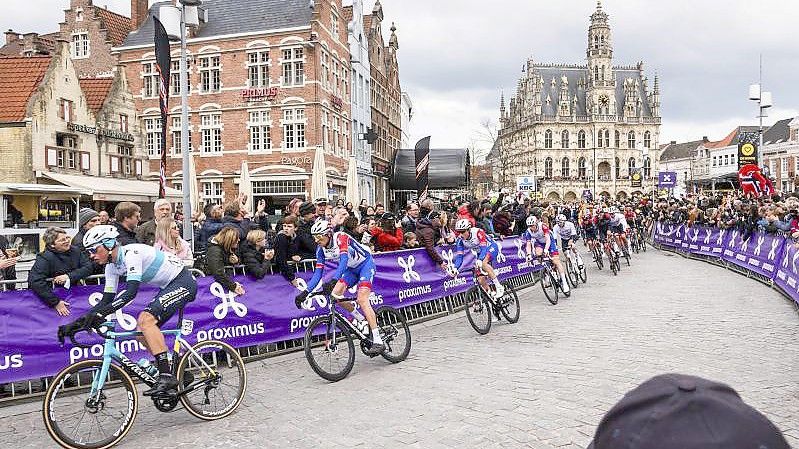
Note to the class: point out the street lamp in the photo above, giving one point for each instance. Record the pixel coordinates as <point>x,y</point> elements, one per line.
<point>763,102</point>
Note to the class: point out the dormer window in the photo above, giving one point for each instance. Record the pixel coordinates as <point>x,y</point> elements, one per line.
<point>79,15</point>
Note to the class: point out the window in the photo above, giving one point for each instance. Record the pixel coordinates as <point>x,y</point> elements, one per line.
<point>564,167</point>
<point>72,160</point>
<point>260,131</point>
<point>123,123</point>
<point>281,187</point>
<point>548,138</point>
<point>631,139</point>
<point>212,192</point>
<point>617,139</point>
<point>631,166</point>
<point>581,172</point>
<point>177,185</point>
<point>325,70</point>
<point>714,161</point>
<point>177,134</point>
<point>564,139</point>
<point>174,75</point>
<point>294,128</point>
<point>152,141</point>
<point>647,167</point>
<point>726,159</point>
<point>80,45</point>
<point>334,25</point>
<point>150,80</point>
<point>581,139</point>
<point>607,138</point>
<point>618,168</point>
<point>599,140</point>
<point>293,67</point>
<point>211,129</point>
<point>258,68</point>
<point>783,166</point>
<point>548,168</point>
<point>647,139</point>
<point>210,74</point>
<point>79,15</point>
<point>65,111</point>
<point>732,159</point>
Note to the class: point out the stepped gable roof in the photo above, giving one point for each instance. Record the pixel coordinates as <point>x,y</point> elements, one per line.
<point>19,79</point>
<point>96,91</point>
<point>117,25</point>
<point>43,42</point>
<point>682,150</point>
<point>778,132</point>
<point>235,17</point>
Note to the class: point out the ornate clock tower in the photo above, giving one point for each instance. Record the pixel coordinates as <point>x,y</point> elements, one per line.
<point>602,80</point>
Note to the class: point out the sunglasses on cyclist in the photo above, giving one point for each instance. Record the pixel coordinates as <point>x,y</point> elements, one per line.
<point>93,249</point>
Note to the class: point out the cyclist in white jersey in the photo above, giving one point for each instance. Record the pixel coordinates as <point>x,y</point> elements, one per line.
<point>472,238</point>
<point>141,264</point>
<point>618,226</point>
<point>567,232</point>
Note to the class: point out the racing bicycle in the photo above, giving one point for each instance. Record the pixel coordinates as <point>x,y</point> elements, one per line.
<point>481,303</point>
<point>613,255</point>
<point>92,404</point>
<point>550,280</point>
<point>575,272</point>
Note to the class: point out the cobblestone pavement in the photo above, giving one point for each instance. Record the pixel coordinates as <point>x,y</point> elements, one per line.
<point>543,383</point>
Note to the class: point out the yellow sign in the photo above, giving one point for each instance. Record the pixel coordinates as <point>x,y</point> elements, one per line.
<point>747,149</point>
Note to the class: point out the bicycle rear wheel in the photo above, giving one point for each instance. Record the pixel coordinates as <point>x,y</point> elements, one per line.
<point>509,304</point>
<point>76,419</point>
<point>218,374</point>
<point>583,272</point>
<point>395,333</point>
<point>478,310</point>
<point>571,273</point>
<point>329,349</point>
<point>549,285</point>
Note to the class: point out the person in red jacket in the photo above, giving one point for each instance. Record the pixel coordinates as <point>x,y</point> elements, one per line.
<point>389,236</point>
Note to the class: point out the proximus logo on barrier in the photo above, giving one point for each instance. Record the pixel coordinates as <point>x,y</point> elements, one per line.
<point>228,302</point>
<point>128,322</point>
<point>407,265</point>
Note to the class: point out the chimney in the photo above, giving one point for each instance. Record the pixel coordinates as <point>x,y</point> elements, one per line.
<point>704,139</point>
<point>138,12</point>
<point>674,142</point>
<point>11,36</point>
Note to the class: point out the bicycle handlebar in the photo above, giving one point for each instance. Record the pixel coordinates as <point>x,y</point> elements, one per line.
<point>78,326</point>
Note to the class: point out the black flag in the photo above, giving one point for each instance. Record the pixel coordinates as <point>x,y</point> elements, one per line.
<point>163,62</point>
<point>422,153</point>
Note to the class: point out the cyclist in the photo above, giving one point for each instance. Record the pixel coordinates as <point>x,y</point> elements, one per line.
<point>590,231</point>
<point>355,265</point>
<point>140,264</point>
<point>472,238</point>
<point>538,237</point>
<point>602,221</point>
<point>618,226</point>
<point>567,233</point>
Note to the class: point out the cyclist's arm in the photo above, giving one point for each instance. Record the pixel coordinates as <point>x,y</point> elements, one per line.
<point>320,268</point>
<point>481,236</point>
<point>110,302</point>
<point>458,254</point>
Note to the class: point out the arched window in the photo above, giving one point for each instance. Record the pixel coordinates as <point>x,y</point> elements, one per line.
<point>564,167</point>
<point>617,139</point>
<point>596,73</point>
<point>631,139</point>
<point>618,168</point>
<point>647,167</point>
<point>647,139</point>
<point>596,41</point>
<point>548,138</point>
<point>599,138</point>
<point>630,166</point>
<point>581,168</point>
<point>581,139</point>
<point>548,168</point>
<point>564,139</point>
<point>602,73</point>
<point>607,138</point>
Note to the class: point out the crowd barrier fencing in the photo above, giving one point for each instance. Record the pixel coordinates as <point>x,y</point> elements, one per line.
<point>262,323</point>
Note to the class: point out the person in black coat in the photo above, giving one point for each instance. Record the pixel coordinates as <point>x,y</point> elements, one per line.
<point>222,251</point>
<point>62,262</point>
<point>286,249</point>
<point>127,216</point>
<point>306,246</point>
<point>255,256</point>
<point>234,216</point>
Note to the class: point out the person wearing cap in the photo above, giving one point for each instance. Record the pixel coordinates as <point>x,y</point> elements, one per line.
<point>305,244</point>
<point>87,219</point>
<point>677,411</point>
<point>321,205</point>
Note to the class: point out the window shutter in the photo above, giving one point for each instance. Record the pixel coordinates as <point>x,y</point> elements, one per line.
<point>85,161</point>
<point>114,164</point>
<point>52,157</point>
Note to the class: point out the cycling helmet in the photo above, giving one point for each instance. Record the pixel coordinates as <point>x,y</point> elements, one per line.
<point>560,218</point>
<point>463,224</point>
<point>101,234</point>
<point>532,220</point>
<point>321,227</point>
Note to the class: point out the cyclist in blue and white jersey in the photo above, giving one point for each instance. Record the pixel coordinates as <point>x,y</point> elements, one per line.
<point>618,226</point>
<point>141,264</point>
<point>539,238</point>
<point>355,266</point>
<point>567,233</point>
<point>473,238</point>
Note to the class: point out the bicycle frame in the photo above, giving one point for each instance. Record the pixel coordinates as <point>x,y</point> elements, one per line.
<point>335,316</point>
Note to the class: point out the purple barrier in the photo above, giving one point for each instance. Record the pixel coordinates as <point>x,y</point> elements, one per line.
<point>265,314</point>
<point>759,253</point>
<point>787,275</point>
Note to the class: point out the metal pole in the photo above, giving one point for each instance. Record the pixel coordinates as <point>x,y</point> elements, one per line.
<point>188,231</point>
<point>595,193</point>
<point>760,114</point>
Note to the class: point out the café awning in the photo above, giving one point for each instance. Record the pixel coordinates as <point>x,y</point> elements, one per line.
<point>113,189</point>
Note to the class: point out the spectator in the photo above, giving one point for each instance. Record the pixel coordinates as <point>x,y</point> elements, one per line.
<point>370,212</point>
<point>339,203</point>
<point>212,224</point>
<point>222,251</point>
<point>350,208</point>
<point>389,236</point>
<point>363,209</point>
<point>14,215</point>
<point>286,248</point>
<point>425,207</point>
<point>353,227</point>
<point>168,240</point>
<point>306,246</point>
<point>104,218</point>
<point>410,241</point>
<point>294,207</point>
<point>127,217</point>
<point>340,215</point>
<point>146,232</point>
<point>410,218</point>
<point>379,210</point>
<point>448,236</point>
<point>255,255</point>
<point>234,217</point>
<point>502,221</point>
<point>429,235</point>
<point>87,219</point>
<point>328,212</point>
<point>367,239</point>
<point>8,262</point>
<point>62,262</point>
<point>321,205</point>
<point>676,411</point>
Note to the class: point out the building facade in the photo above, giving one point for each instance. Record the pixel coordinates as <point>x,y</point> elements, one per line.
<point>581,127</point>
<point>781,153</point>
<point>361,98</point>
<point>386,94</point>
<point>92,31</point>
<point>270,88</point>
<point>406,110</point>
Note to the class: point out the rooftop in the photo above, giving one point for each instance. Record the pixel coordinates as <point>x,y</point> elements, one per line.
<point>19,79</point>
<point>682,150</point>
<point>118,26</point>
<point>96,90</point>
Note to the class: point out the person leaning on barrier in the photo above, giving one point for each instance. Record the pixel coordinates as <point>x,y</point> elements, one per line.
<point>286,249</point>
<point>127,216</point>
<point>306,246</point>
<point>8,271</point>
<point>223,251</point>
<point>428,233</point>
<point>234,217</point>
<point>255,255</point>
<point>87,219</point>
<point>62,262</point>
<point>145,233</point>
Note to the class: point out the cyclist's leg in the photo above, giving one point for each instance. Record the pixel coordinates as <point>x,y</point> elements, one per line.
<point>366,275</point>
<point>492,252</point>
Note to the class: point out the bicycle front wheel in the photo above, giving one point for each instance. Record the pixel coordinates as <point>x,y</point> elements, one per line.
<point>571,273</point>
<point>549,285</point>
<point>478,310</point>
<point>329,349</point>
<point>395,333</point>
<point>509,304</point>
<point>78,416</point>
<point>216,371</point>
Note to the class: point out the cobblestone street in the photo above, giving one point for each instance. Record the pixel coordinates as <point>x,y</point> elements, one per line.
<point>543,383</point>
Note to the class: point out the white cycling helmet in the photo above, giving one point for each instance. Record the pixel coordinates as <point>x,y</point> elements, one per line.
<point>560,218</point>
<point>321,227</point>
<point>101,234</point>
<point>532,220</point>
<point>463,224</point>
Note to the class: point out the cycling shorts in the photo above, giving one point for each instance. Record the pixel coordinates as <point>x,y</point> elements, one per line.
<point>590,234</point>
<point>553,247</point>
<point>363,275</point>
<point>619,229</point>
<point>179,292</point>
<point>564,242</point>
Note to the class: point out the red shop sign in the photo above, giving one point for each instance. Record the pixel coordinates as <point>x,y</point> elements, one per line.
<point>256,93</point>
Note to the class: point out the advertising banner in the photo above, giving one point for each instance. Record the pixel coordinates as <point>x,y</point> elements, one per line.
<point>757,252</point>
<point>667,179</point>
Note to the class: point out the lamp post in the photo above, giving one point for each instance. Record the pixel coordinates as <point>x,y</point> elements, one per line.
<point>763,102</point>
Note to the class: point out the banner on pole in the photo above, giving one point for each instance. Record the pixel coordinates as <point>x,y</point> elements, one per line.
<point>422,154</point>
<point>163,64</point>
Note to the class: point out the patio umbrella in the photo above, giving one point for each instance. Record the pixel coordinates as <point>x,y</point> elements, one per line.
<point>352,183</point>
<point>245,186</point>
<point>319,176</point>
<point>194,186</point>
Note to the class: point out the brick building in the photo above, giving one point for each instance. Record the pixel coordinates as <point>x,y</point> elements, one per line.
<point>269,84</point>
<point>28,44</point>
<point>91,32</point>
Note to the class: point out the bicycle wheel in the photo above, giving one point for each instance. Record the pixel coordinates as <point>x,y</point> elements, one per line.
<point>76,419</point>
<point>329,349</point>
<point>627,256</point>
<point>478,310</point>
<point>643,244</point>
<point>395,333</point>
<point>509,304</point>
<point>583,272</point>
<point>597,257</point>
<point>549,285</point>
<point>612,263</point>
<point>571,273</point>
<point>218,372</point>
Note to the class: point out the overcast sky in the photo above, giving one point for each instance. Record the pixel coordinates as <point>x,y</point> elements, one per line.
<point>456,56</point>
